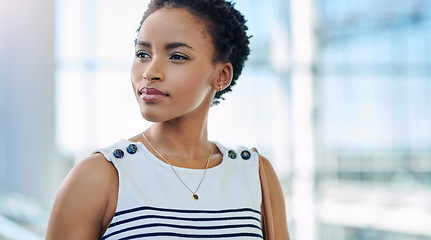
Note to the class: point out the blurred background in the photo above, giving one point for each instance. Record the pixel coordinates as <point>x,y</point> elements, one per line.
<point>336,93</point>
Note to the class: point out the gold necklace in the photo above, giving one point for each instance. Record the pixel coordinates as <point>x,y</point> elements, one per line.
<point>195,196</point>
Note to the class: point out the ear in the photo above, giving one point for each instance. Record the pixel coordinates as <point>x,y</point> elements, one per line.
<point>224,76</point>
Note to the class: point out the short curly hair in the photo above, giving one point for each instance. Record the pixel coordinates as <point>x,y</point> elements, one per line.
<point>226,26</point>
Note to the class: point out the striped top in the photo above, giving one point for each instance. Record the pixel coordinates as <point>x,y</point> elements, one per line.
<point>154,204</point>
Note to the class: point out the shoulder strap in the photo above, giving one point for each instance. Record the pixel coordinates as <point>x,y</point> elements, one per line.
<point>268,224</point>
<point>109,150</point>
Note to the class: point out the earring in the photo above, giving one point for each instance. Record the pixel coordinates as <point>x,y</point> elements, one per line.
<point>220,88</point>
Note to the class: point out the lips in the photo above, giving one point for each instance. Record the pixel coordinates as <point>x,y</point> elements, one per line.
<point>150,94</point>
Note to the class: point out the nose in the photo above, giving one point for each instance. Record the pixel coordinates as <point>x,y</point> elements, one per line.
<point>154,71</point>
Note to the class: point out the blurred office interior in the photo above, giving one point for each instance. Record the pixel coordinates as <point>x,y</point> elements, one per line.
<point>336,93</point>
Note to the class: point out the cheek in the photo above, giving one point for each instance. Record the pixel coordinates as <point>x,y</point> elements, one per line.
<point>134,75</point>
<point>199,76</point>
<point>194,87</point>
<point>193,83</point>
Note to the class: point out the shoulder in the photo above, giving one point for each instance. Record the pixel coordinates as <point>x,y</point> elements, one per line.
<point>271,176</point>
<point>270,173</point>
<point>82,205</point>
<point>238,152</point>
<point>95,171</point>
<point>98,174</point>
<point>277,201</point>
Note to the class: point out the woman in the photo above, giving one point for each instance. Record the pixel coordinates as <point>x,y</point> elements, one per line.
<point>170,182</point>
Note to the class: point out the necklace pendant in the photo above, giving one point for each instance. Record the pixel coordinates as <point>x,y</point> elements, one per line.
<point>195,196</point>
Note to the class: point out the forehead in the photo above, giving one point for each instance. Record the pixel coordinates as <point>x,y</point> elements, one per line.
<point>174,25</point>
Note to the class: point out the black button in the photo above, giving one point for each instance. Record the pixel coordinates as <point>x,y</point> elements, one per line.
<point>118,153</point>
<point>132,148</point>
<point>231,154</point>
<point>245,155</point>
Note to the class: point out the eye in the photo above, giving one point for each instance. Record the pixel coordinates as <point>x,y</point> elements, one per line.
<point>141,54</point>
<point>178,57</point>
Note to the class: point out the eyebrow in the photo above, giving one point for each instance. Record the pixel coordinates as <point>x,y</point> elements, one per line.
<point>142,43</point>
<point>176,45</point>
<point>167,46</point>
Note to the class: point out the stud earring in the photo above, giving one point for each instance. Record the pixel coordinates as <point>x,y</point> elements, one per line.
<point>220,88</point>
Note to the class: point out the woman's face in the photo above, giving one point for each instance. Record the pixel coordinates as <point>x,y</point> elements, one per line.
<point>173,74</point>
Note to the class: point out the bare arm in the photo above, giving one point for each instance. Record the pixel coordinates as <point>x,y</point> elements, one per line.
<point>85,202</point>
<point>277,201</point>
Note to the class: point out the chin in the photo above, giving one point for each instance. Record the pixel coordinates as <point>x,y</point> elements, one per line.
<point>150,117</point>
<point>154,117</point>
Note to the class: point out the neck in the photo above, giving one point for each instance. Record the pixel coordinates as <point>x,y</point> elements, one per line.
<point>183,142</point>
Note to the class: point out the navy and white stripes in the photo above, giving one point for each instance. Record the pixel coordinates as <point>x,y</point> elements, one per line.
<point>153,204</point>
<point>163,223</point>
